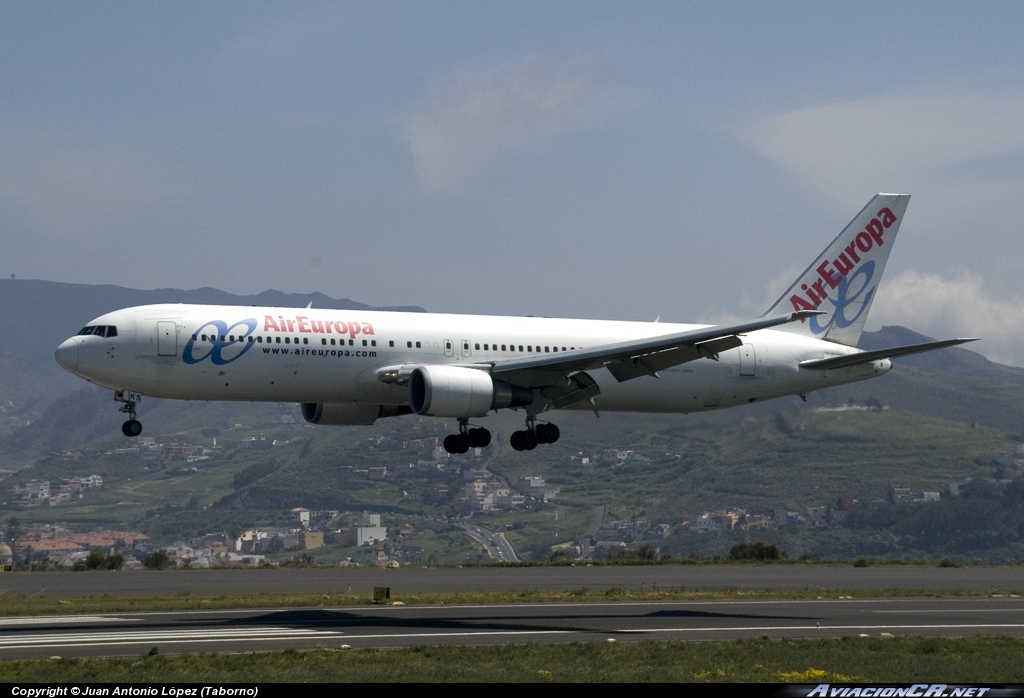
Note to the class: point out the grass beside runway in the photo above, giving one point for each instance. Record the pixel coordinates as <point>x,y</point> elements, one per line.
<point>977,660</point>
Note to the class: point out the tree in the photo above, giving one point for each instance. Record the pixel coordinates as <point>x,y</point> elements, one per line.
<point>761,550</point>
<point>156,560</point>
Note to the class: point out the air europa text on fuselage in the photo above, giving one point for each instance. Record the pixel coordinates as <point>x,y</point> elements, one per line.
<point>301,323</point>
<point>831,273</point>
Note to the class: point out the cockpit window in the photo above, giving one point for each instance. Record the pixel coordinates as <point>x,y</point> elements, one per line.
<point>101,330</point>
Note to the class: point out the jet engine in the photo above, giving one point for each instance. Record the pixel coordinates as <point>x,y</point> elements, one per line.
<point>454,391</point>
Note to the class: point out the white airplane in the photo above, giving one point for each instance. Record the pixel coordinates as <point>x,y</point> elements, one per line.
<point>354,367</point>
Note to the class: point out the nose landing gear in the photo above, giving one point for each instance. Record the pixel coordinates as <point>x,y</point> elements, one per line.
<point>133,427</point>
<point>467,438</point>
<point>534,434</point>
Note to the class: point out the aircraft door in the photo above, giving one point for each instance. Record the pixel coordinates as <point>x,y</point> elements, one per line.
<point>466,350</point>
<point>449,348</point>
<point>166,338</point>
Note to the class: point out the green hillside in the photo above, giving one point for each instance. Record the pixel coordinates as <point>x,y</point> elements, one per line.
<point>946,416</point>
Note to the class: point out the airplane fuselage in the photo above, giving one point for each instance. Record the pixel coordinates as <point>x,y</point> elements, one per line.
<point>335,356</point>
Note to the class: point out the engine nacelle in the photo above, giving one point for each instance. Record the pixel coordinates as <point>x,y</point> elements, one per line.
<point>347,413</point>
<point>455,391</point>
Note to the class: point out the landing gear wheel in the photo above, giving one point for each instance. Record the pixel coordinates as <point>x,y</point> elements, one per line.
<point>547,433</point>
<point>478,437</point>
<point>132,427</point>
<point>456,443</point>
<point>516,440</point>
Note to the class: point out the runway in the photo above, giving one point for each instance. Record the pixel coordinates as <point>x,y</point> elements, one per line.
<point>404,626</point>
<point>498,578</point>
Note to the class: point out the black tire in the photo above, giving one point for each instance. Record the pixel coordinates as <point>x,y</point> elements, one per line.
<point>132,427</point>
<point>461,442</point>
<point>516,440</point>
<point>479,438</point>
<point>529,440</point>
<point>450,443</point>
<point>547,433</point>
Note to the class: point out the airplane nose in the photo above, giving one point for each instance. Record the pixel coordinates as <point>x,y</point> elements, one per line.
<point>67,354</point>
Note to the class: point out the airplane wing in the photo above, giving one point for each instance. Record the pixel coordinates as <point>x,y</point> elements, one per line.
<point>635,358</point>
<point>865,357</point>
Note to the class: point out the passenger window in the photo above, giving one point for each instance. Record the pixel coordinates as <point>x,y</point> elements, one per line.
<point>222,338</point>
<point>305,340</point>
<point>351,342</point>
<point>546,350</point>
<point>259,340</point>
<point>477,347</point>
<point>529,347</point>
<point>364,342</point>
<point>277,340</point>
<point>409,345</point>
<point>251,339</point>
<point>520,347</point>
<point>373,342</point>
<point>503,347</point>
<point>391,342</point>
<point>323,340</point>
<point>287,340</point>
<point>417,345</point>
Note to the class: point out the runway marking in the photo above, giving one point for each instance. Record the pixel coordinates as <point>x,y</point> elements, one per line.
<point>957,610</point>
<point>268,634</point>
<point>164,636</point>
<point>944,626</point>
<point>41,620</point>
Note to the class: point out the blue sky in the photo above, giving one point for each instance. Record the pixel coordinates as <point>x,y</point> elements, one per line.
<point>682,160</point>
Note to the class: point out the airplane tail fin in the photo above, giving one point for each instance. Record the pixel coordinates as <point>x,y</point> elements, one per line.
<point>843,279</point>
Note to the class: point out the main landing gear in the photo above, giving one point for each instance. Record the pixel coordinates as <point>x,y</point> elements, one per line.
<point>133,427</point>
<point>534,434</point>
<point>467,438</point>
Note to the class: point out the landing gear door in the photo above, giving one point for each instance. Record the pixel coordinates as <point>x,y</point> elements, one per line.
<point>166,338</point>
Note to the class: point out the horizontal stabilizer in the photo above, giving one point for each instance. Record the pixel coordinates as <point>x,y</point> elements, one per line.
<point>865,357</point>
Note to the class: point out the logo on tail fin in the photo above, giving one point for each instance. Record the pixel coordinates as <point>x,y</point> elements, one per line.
<point>843,280</point>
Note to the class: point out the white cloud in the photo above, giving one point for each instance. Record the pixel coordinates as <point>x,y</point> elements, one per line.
<point>894,142</point>
<point>960,307</point>
<point>477,117</point>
